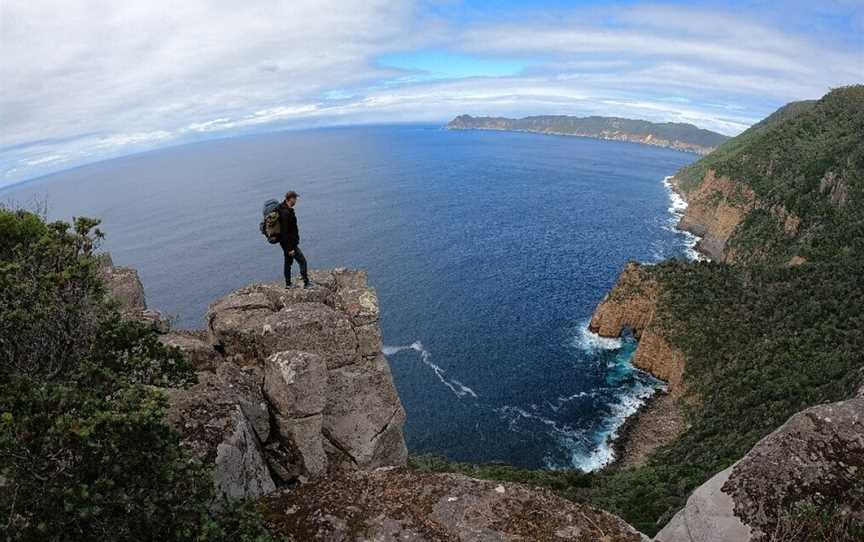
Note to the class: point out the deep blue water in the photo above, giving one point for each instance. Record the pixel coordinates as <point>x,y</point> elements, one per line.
<point>489,251</point>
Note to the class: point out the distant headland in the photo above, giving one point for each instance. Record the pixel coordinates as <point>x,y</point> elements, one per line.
<point>672,135</point>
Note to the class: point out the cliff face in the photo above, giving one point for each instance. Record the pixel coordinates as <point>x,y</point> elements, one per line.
<point>678,136</point>
<point>718,206</point>
<point>714,210</point>
<point>632,304</point>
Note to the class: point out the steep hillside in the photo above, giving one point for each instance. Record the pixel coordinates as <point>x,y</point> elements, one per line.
<point>755,342</point>
<point>789,186</point>
<point>673,135</point>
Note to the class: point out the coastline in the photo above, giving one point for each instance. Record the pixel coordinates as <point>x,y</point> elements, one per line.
<point>655,424</point>
<point>658,420</point>
<point>697,150</point>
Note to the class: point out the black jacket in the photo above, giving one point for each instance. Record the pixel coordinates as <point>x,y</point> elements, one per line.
<point>289,234</point>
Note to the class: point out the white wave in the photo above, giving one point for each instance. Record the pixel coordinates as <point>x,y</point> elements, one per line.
<point>458,388</point>
<point>513,413</point>
<point>577,396</point>
<point>627,405</point>
<point>677,208</point>
<point>589,341</point>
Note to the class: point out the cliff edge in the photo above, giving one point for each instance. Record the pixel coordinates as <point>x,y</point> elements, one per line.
<point>295,407</point>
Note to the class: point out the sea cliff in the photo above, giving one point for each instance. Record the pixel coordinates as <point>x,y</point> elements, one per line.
<point>718,206</point>
<point>632,305</point>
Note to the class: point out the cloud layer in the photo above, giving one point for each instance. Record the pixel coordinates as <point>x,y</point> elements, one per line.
<point>85,80</point>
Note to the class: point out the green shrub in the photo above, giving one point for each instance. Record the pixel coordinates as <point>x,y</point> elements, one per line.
<point>84,452</point>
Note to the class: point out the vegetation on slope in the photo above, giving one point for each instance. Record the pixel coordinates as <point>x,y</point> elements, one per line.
<point>563,124</point>
<point>807,158</point>
<point>762,341</point>
<point>84,453</point>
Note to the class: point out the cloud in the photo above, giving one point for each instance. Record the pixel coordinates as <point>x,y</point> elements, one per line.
<point>84,80</point>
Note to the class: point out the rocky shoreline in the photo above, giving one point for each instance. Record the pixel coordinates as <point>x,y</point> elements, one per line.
<point>659,420</point>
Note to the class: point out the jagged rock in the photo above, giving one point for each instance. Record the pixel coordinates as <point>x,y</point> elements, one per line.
<point>241,471</point>
<point>816,458</point>
<point>125,288</point>
<point>222,420</point>
<point>331,388</point>
<point>197,349</point>
<point>395,505</point>
<point>363,417</point>
<point>295,383</point>
<point>303,437</point>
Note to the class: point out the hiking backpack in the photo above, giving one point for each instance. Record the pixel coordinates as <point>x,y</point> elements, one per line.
<point>270,224</point>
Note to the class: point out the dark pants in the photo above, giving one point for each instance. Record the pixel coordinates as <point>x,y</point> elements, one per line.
<point>289,261</point>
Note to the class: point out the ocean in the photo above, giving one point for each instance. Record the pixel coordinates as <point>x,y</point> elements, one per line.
<point>489,251</point>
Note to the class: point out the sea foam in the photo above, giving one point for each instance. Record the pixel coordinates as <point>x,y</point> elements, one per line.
<point>457,387</point>
<point>677,208</point>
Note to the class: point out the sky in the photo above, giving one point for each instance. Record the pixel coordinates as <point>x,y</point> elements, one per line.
<point>82,81</point>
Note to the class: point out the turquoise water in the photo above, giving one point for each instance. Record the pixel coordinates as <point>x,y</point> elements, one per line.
<point>489,251</point>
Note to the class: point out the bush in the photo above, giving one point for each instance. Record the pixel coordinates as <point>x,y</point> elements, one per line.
<point>84,452</point>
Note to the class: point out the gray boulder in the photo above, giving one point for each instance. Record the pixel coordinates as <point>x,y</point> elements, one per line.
<point>196,348</point>
<point>816,459</point>
<point>223,420</point>
<point>295,383</point>
<point>363,417</point>
<point>124,287</point>
<point>240,469</point>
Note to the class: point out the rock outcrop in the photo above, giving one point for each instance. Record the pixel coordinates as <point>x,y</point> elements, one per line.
<point>632,305</point>
<point>124,287</point>
<point>359,411</point>
<point>224,421</point>
<point>398,504</point>
<point>718,206</point>
<point>292,384</point>
<point>815,459</point>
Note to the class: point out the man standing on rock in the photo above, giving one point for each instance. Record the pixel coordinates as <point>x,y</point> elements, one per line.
<point>289,239</point>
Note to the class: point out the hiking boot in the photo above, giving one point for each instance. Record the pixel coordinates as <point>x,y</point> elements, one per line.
<point>290,286</point>
<point>309,286</point>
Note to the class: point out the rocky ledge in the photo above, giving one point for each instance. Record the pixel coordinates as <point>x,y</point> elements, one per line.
<point>390,505</point>
<point>816,459</point>
<point>292,384</point>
